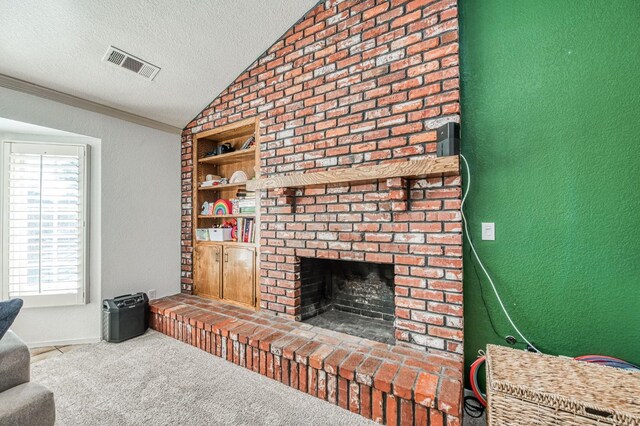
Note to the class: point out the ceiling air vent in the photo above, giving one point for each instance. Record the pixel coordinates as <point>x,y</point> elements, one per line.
<point>130,62</point>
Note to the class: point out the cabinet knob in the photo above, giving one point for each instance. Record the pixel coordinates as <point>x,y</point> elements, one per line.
<point>226,257</point>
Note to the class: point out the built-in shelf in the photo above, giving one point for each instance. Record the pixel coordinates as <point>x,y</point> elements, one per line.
<point>221,186</point>
<point>230,157</point>
<point>409,169</point>
<point>226,270</point>
<point>227,216</point>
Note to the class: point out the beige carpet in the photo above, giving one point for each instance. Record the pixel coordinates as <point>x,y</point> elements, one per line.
<point>157,380</point>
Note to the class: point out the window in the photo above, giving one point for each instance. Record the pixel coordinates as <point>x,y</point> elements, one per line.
<point>44,210</point>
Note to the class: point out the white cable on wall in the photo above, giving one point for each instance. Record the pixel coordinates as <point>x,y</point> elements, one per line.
<point>475,253</point>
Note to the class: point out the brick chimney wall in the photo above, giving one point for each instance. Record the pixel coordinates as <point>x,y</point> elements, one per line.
<point>354,82</point>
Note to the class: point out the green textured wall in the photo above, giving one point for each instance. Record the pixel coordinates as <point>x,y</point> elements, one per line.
<point>551,113</point>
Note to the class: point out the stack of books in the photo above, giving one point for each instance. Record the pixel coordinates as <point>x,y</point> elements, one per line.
<point>216,180</point>
<point>246,230</point>
<point>246,202</point>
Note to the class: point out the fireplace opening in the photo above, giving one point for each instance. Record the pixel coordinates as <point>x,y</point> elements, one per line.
<point>351,297</point>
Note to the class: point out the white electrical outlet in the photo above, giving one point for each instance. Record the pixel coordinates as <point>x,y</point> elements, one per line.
<point>488,231</point>
<point>151,294</point>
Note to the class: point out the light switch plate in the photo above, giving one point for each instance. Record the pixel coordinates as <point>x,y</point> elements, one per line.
<point>488,231</point>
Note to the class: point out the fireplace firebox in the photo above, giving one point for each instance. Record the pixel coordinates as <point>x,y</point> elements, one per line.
<point>351,297</point>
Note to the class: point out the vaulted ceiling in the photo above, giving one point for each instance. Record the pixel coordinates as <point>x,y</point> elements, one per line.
<point>200,46</point>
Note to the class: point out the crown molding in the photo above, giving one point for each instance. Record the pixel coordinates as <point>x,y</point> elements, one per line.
<point>64,98</point>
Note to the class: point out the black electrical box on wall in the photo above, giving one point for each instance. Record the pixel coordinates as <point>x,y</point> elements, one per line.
<point>124,317</point>
<point>448,139</point>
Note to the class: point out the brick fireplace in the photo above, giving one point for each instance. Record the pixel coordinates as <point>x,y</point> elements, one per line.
<point>355,82</point>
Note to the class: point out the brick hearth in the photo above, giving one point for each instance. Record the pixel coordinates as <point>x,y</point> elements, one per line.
<point>389,384</point>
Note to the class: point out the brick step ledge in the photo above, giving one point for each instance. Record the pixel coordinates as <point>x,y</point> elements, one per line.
<point>393,385</point>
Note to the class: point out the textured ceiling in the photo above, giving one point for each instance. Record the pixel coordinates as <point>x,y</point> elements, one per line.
<point>200,46</point>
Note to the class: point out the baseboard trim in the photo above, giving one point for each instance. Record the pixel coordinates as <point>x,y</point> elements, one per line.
<point>67,99</point>
<point>64,342</point>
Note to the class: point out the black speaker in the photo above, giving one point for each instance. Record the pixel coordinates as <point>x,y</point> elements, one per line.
<point>124,317</point>
<point>448,139</point>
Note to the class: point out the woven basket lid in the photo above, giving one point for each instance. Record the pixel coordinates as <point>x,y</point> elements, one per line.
<point>585,389</point>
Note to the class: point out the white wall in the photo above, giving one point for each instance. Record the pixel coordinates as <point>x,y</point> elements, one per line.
<point>135,229</point>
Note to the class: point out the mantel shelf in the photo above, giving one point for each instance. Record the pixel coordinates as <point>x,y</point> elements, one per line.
<point>409,169</point>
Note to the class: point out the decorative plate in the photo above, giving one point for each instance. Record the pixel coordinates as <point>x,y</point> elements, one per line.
<point>239,177</point>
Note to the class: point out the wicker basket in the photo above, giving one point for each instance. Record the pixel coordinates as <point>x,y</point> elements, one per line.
<point>531,389</point>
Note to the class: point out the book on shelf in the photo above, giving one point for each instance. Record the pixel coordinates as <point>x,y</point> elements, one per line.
<point>249,143</point>
<point>245,232</point>
<point>243,205</point>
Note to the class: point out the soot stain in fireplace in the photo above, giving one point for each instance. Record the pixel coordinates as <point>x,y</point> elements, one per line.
<point>356,298</point>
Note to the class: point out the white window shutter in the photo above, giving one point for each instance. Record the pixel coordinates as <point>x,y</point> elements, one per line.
<point>45,207</point>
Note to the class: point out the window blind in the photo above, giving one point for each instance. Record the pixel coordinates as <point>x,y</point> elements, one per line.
<point>45,210</point>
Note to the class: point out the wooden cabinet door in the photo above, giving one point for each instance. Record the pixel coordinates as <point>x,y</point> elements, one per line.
<point>208,270</point>
<point>239,280</point>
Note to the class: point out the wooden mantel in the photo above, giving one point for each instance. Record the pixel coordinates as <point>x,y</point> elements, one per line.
<point>409,169</point>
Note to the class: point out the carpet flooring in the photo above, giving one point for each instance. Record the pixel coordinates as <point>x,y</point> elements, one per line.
<point>157,380</point>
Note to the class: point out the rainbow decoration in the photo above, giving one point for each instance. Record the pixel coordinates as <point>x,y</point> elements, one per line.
<point>222,207</point>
